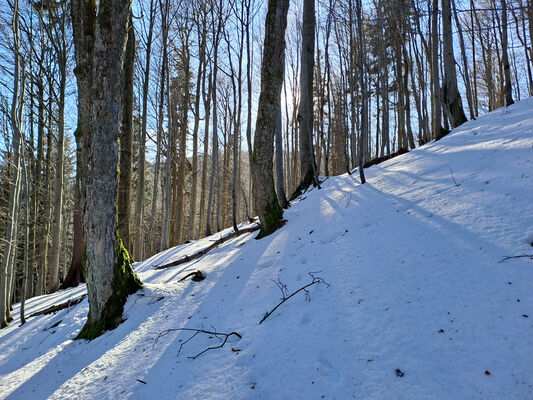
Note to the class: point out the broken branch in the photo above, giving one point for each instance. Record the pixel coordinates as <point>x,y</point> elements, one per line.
<point>218,335</point>
<point>54,308</point>
<point>316,280</point>
<point>215,244</point>
<point>530,256</point>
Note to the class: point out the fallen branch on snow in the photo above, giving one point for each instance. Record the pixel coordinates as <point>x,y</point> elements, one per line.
<point>197,276</point>
<point>56,307</point>
<point>530,256</point>
<point>218,335</point>
<point>316,280</point>
<point>215,244</point>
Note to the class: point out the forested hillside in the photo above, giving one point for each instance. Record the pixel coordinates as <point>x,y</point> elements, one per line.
<point>345,135</point>
<point>422,289</point>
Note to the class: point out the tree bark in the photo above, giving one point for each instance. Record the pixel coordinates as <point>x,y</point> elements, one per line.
<point>110,277</point>
<point>505,57</point>
<point>7,269</point>
<point>305,112</point>
<point>452,98</point>
<point>126,139</point>
<point>437,131</point>
<point>272,74</point>
<point>139,203</point>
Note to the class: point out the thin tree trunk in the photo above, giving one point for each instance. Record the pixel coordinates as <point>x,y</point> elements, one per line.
<point>437,131</point>
<point>505,57</point>
<point>139,203</point>
<point>126,140</point>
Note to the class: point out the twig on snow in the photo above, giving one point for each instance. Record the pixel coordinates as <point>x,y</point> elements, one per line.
<point>219,335</point>
<point>454,181</point>
<point>530,256</point>
<point>283,288</point>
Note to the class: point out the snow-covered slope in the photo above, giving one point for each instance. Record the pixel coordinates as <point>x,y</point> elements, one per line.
<point>420,303</point>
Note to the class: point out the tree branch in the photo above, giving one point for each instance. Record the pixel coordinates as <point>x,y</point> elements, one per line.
<point>215,244</point>
<point>283,288</point>
<point>218,335</point>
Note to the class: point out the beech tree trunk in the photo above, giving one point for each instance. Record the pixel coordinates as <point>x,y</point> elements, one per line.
<point>305,112</point>
<point>452,98</point>
<point>436,128</point>
<point>139,203</point>
<point>505,57</point>
<point>7,268</point>
<point>272,74</point>
<point>110,277</point>
<point>126,139</point>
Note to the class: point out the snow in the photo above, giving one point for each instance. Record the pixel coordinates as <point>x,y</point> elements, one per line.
<point>416,282</point>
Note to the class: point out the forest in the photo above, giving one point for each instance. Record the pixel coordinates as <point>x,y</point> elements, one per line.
<point>130,127</point>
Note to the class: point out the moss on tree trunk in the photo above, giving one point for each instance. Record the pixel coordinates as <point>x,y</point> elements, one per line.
<point>271,216</point>
<point>125,282</point>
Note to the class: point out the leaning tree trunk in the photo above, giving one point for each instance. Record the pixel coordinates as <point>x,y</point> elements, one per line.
<point>452,99</point>
<point>272,72</point>
<point>110,277</point>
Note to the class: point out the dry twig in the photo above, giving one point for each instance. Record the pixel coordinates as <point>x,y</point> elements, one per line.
<point>283,288</point>
<point>219,335</point>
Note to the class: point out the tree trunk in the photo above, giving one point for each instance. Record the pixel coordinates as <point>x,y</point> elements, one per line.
<point>53,278</point>
<point>505,57</point>
<point>202,34</point>
<point>110,277</point>
<point>436,128</point>
<point>468,86</point>
<point>7,269</point>
<point>126,139</point>
<point>139,203</point>
<point>305,112</point>
<point>452,98</point>
<point>280,183</point>
<point>272,74</point>
<point>364,109</point>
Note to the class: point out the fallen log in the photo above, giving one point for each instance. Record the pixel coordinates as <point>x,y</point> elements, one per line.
<point>56,307</point>
<point>202,252</point>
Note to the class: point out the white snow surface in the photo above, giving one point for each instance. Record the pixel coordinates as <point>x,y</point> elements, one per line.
<point>416,282</point>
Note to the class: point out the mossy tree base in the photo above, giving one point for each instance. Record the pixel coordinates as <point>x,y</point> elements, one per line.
<point>270,217</point>
<point>125,282</point>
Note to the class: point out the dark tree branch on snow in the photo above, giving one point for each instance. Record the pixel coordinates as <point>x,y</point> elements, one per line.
<point>54,308</point>
<point>530,256</point>
<point>219,335</point>
<point>207,249</point>
<point>283,288</point>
